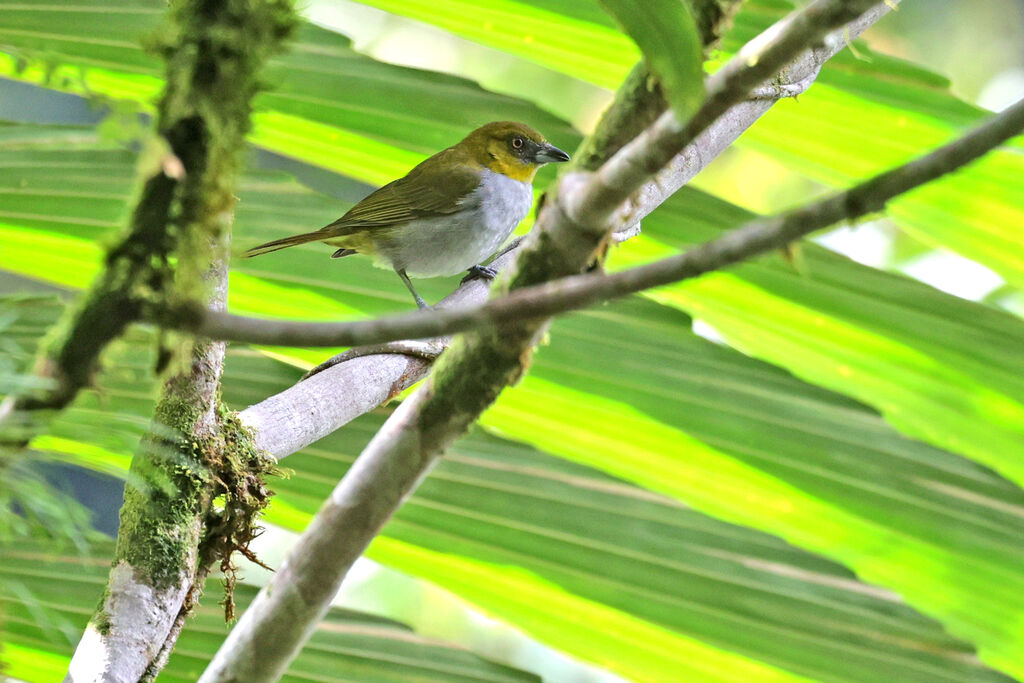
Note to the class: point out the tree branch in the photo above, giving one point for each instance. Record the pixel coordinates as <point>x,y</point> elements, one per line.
<point>571,227</point>
<point>707,144</point>
<point>640,100</point>
<point>164,542</point>
<point>293,419</point>
<point>578,291</point>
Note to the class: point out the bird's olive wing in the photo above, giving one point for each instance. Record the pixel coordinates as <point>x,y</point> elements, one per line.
<point>434,188</point>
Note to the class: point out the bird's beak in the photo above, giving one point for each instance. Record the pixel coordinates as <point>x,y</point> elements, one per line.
<point>548,153</point>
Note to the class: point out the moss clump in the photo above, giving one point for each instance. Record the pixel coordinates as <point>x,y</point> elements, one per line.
<point>101,620</point>
<point>239,472</point>
<point>193,497</point>
<point>167,490</point>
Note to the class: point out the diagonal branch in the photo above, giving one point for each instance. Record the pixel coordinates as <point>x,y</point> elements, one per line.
<point>578,291</point>
<point>293,419</point>
<point>570,229</point>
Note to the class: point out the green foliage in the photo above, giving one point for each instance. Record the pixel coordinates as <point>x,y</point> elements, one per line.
<point>29,505</point>
<point>856,520</point>
<point>666,34</point>
<point>498,520</point>
<point>40,633</point>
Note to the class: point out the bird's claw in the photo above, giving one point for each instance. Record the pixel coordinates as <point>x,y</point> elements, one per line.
<point>477,272</point>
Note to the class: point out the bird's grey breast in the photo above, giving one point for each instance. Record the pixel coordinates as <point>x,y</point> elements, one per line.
<point>503,201</point>
<point>447,245</point>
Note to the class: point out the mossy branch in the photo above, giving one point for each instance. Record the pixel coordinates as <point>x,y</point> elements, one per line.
<point>213,49</point>
<point>176,250</point>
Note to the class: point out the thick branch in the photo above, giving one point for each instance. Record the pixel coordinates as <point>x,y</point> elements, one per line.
<point>467,379</point>
<point>796,77</point>
<point>157,575</point>
<point>315,407</point>
<point>756,237</point>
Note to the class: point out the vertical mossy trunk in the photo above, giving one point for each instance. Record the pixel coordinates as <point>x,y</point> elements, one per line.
<point>195,452</point>
<point>162,515</point>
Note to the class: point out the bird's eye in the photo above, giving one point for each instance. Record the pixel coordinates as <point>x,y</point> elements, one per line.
<point>517,142</point>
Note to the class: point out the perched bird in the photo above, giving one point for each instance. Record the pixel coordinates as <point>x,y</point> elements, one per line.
<point>449,213</point>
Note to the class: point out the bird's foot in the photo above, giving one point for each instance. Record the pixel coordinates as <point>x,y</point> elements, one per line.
<point>426,349</point>
<point>477,272</point>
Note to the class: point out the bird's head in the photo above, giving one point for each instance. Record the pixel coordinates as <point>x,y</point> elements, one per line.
<point>511,148</point>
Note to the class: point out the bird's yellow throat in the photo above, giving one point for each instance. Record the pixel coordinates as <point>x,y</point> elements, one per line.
<point>514,169</point>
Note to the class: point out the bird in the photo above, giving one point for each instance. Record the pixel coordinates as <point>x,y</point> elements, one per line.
<point>449,213</point>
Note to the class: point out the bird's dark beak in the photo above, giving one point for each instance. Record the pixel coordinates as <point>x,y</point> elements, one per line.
<point>548,153</point>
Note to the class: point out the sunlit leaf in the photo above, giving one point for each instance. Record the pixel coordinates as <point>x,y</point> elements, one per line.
<point>60,588</point>
<point>665,579</point>
<point>665,32</point>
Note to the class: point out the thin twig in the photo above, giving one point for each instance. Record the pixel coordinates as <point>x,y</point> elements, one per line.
<point>755,237</point>
<point>292,419</point>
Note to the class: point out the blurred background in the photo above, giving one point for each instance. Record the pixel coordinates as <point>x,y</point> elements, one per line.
<point>977,44</point>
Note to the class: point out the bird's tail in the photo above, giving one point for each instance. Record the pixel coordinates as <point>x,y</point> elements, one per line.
<point>284,242</point>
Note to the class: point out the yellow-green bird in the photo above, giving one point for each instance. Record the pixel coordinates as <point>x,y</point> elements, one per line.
<point>449,213</point>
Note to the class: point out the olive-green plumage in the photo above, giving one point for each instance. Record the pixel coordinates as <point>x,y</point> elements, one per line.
<point>448,213</point>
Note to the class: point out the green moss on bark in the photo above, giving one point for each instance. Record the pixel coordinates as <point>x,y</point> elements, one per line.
<point>101,620</point>
<point>196,453</point>
<point>240,494</point>
<point>161,515</point>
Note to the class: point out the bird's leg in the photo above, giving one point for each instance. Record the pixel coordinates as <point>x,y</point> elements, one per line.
<point>405,278</point>
<point>476,272</point>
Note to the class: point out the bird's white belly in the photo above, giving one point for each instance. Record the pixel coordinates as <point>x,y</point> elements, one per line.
<point>433,247</point>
